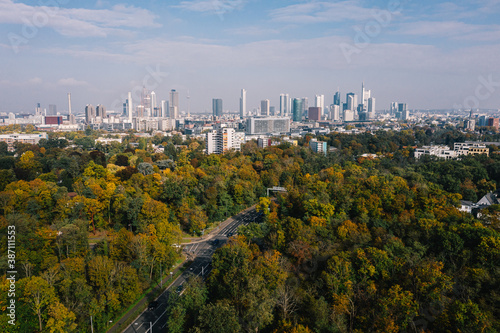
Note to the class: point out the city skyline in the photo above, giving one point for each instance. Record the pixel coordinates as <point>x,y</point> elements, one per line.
<point>431,55</point>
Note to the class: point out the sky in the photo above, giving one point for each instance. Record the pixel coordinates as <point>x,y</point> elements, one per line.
<point>428,54</point>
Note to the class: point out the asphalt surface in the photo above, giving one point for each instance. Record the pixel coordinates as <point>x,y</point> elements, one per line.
<point>153,320</point>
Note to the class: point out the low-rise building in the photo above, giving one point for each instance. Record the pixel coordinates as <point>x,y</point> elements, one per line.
<point>438,151</point>
<point>23,138</point>
<point>318,146</point>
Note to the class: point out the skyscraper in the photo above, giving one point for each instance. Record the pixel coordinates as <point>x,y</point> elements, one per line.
<point>305,106</point>
<point>352,101</point>
<point>243,103</point>
<point>264,107</point>
<point>284,105</point>
<point>153,101</point>
<point>371,108</point>
<point>336,98</point>
<point>100,111</point>
<point>38,110</point>
<point>52,109</point>
<point>164,109</point>
<point>89,113</point>
<point>320,103</point>
<point>365,95</point>
<point>297,109</point>
<point>174,104</point>
<point>129,107</point>
<point>217,107</point>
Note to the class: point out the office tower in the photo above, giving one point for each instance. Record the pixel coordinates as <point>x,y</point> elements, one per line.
<point>89,113</point>
<point>348,115</point>
<point>129,107</point>
<point>100,111</point>
<point>493,122</point>
<point>371,108</point>
<point>352,101</point>
<point>314,113</point>
<point>52,109</point>
<point>394,108</point>
<point>141,111</point>
<point>482,121</point>
<point>320,103</point>
<point>297,109</point>
<point>217,107</point>
<point>174,104</point>
<point>335,112</point>
<point>264,107</point>
<point>336,98</point>
<point>284,105</point>
<point>154,105</point>
<point>305,106</point>
<point>243,103</point>
<point>146,103</point>
<point>365,95</point>
<point>163,111</point>
<point>402,107</point>
<point>38,110</point>
<point>403,112</point>
<point>272,111</point>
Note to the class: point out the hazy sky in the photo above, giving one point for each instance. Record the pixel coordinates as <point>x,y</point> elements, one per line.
<point>429,54</point>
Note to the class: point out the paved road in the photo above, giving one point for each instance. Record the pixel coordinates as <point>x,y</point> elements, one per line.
<point>200,252</point>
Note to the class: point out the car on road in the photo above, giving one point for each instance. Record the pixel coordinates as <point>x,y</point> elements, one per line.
<point>153,305</point>
<point>179,289</point>
<point>215,242</point>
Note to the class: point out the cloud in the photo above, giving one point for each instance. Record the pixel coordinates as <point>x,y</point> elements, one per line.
<point>453,30</point>
<point>71,82</point>
<point>253,31</point>
<point>35,80</point>
<point>322,53</point>
<point>77,22</point>
<point>211,6</point>
<point>319,12</point>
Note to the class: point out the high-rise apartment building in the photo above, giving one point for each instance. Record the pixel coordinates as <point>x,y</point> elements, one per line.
<point>222,140</point>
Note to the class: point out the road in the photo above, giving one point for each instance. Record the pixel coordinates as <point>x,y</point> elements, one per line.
<point>200,252</point>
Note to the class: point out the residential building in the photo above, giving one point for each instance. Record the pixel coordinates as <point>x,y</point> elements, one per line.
<point>222,140</point>
<point>318,146</point>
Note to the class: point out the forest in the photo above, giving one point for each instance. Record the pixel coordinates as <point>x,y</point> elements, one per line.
<point>356,244</point>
